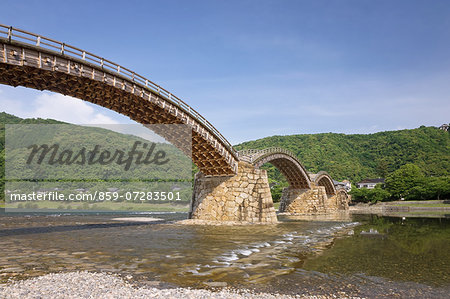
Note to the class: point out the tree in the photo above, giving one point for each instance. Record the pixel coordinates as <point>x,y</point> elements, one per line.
<point>370,195</point>
<point>431,188</point>
<point>403,180</point>
<point>382,168</point>
<point>440,187</point>
<point>277,191</point>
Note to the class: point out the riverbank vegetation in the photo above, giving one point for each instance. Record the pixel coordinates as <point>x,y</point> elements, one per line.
<point>408,182</point>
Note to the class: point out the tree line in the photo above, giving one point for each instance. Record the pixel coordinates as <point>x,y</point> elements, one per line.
<point>415,163</point>
<point>409,182</point>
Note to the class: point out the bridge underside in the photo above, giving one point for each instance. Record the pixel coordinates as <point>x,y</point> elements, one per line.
<point>327,183</point>
<point>321,198</point>
<point>292,170</point>
<point>113,92</point>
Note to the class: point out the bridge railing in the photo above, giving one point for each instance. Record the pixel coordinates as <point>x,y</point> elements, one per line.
<point>22,36</point>
<point>251,155</point>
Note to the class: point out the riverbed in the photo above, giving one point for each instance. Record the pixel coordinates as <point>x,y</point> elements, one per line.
<point>357,255</point>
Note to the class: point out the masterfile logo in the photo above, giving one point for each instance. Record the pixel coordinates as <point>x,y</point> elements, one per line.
<point>72,152</point>
<point>55,155</point>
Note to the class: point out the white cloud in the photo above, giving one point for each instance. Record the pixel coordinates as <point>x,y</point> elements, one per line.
<point>54,106</point>
<point>69,109</point>
<point>12,107</point>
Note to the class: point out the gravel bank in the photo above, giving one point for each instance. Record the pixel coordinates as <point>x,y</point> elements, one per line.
<point>101,285</point>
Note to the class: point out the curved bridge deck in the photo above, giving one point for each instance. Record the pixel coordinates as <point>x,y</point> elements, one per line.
<point>31,60</point>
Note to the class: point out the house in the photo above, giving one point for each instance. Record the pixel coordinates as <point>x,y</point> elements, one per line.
<point>345,184</point>
<point>369,183</point>
<point>444,127</point>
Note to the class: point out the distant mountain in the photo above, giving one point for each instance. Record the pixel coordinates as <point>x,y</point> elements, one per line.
<point>358,156</point>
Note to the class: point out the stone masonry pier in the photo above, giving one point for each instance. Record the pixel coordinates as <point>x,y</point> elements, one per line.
<point>244,197</point>
<point>312,201</point>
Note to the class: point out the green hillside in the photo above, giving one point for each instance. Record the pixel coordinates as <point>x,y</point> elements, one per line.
<point>6,118</point>
<point>177,168</point>
<point>358,156</point>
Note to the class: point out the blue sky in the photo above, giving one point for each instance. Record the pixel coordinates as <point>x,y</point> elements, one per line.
<point>259,68</point>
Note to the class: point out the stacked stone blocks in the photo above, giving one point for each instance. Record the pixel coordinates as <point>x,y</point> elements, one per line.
<point>244,197</point>
<point>311,201</point>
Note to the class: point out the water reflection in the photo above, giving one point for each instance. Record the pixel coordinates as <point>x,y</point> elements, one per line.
<point>402,249</point>
<point>343,252</point>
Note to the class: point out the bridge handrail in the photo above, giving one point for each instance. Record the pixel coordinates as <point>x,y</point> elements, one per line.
<point>251,155</point>
<point>43,42</point>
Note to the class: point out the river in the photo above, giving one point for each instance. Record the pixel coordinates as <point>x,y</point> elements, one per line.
<point>361,255</point>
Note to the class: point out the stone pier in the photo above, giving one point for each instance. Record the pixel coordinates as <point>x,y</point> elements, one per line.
<point>312,201</point>
<point>340,201</point>
<point>244,197</point>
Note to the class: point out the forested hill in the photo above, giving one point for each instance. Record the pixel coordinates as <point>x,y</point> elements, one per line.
<point>352,157</point>
<point>356,157</point>
<point>90,137</point>
<point>6,118</point>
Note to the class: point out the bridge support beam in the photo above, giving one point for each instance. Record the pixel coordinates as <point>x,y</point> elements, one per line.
<point>311,201</point>
<point>244,197</point>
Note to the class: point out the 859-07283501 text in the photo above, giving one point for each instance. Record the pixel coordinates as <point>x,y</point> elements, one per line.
<point>97,196</point>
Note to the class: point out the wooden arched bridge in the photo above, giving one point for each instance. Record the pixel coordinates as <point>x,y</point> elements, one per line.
<point>230,185</point>
<point>39,62</point>
<point>284,160</point>
<point>289,165</point>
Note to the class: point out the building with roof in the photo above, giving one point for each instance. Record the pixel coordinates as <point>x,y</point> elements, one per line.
<point>345,184</point>
<point>369,183</point>
<point>445,127</point>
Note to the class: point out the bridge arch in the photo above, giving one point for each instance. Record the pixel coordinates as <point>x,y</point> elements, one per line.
<point>38,62</point>
<point>322,178</point>
<point>285,161</point>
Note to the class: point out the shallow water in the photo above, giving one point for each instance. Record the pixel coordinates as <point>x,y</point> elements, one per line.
<point>361,255</point>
